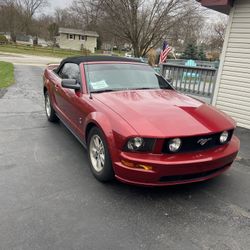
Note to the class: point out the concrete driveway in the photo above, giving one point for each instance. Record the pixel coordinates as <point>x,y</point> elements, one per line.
<point>49,199</point>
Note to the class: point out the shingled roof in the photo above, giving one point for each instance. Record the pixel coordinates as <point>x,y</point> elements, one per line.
<point>223,6</point>
<point>77,32</point>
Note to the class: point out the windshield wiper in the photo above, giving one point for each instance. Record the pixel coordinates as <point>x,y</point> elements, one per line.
<point>102,91</point>
<point>143,88</point>
<point>107,90</point>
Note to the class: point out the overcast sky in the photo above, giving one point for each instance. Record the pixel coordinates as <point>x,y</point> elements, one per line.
<point>66,3</point>
<point>59,4</point>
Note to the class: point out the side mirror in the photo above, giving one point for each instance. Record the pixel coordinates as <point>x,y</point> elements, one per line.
<point>71,84</point>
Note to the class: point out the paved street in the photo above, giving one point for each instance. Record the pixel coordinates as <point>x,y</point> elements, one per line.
<point>19,59</point>
<point>49,199</point>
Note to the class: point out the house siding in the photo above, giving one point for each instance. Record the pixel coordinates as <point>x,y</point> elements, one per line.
<point>76,44</point>
<point>233,84</point>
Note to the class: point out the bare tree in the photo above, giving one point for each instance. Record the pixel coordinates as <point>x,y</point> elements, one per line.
<point>29,9</point>
<point>90,13</point>
<point>142,23</point>
<point>10,18</point>
<point>188,29</point>
<point>215,34</point>
<point>43,25</point>
<point>220,29</point>
<point>65,18</point>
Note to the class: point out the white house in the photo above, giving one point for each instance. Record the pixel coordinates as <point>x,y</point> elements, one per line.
<point>6,34</point>
<point>77,39</point>
<point>232,91</point>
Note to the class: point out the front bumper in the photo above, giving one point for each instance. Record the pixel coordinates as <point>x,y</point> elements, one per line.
<point>177,168</point>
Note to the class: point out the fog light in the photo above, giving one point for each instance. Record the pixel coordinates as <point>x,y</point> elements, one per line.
<point>174,144</point>
<point>224,137</point>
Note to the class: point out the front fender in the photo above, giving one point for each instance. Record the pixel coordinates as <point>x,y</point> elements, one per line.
<point>115,130</point>
<point>101,122</point>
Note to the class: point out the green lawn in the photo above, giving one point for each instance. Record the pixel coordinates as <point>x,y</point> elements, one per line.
<point>6,74</point>
<point>40,51</point>
<point>48,51</point>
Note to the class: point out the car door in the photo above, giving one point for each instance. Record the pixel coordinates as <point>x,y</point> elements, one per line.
<point>69,99</point>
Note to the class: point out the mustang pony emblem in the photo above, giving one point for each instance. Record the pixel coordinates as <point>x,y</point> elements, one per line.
<point>202,142</point>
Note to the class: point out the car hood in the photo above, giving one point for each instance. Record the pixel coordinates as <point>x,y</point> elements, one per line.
<point>165,113</point>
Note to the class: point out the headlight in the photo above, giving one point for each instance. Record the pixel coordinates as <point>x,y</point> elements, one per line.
<point>135,143</point>
<point>138,144</point>
<point>224,137</point>
<point>174,145</point>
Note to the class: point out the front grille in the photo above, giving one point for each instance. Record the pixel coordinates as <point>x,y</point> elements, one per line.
<point>188,177</point>
<point>194,143</point>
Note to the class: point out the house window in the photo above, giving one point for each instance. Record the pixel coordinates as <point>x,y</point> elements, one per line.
<point>83,38</point>
<point>71,37</point>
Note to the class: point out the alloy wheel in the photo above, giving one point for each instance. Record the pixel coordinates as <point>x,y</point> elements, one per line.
<point>47,105</point>
<point>97,153</point>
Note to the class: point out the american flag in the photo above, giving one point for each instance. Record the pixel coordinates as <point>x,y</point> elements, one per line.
<point>165,51</point>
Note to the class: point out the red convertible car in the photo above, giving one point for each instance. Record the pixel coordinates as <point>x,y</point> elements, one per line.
<point>135,126</point>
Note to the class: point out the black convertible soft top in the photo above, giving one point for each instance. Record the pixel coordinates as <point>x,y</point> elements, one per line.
<point>82,59</point>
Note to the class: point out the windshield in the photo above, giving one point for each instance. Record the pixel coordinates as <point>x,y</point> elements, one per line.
<point>120,76</point>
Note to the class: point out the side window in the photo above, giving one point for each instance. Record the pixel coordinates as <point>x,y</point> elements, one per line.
<point>70,71</point>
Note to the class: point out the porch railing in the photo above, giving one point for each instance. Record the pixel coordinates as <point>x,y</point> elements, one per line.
<point>206,64</point>
<point>193,80</point>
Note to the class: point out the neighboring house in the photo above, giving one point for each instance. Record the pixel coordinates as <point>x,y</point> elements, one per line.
<point>6,34</point>
<point>20,39</point>
<point>107,46</point>
<point>23,39</point>
<point>232,91</point>
<point>77,39</point>
<point>42,42</point>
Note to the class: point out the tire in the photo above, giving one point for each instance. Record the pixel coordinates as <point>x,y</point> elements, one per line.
<point>50,112</point>
<point>99,157</point>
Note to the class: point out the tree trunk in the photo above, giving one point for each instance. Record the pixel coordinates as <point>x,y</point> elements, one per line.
<point>136,48</point>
